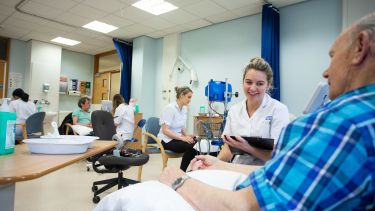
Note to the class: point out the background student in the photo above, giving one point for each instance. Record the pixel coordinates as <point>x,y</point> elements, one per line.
<point>22,107</point>
<point>123,116</point>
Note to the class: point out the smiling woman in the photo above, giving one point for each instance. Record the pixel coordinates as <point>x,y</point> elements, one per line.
<point>258,115</point>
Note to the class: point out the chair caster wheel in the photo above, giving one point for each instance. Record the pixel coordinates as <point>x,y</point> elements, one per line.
<point>96,199</point>
<point>94,188</point>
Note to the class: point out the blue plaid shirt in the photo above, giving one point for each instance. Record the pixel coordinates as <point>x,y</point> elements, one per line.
<point>324,160</point>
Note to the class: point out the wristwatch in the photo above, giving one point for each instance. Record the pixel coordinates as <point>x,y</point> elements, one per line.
<point>179,182</point>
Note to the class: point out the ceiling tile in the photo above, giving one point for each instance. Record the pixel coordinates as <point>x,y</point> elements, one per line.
<point>196,24</point>
<point>87,11</point>
<point>10,3</point>
<point>175,29</point>
<point>73,19</point>
<point>109,6</point>
<point>221,17</point>
<point>204,9</point>
<point>29,18</point>
<point>58,4</point>
<point>116,21</point>
<point>179,16</point>
<point>6,10</point>
<point>38,36</point>
<point>134,14</point>
<point>248,10</point>
<point>157,23</point>
<point>181,3</point>
<point>18,23</point>
<point>16,31</point>
<point>41,10</point>
<point>123,33</point>
<point>157,34</point>
<point>140,29</point>
<point>234,4</point>
<point>129,2</point>
<point>87,32</point>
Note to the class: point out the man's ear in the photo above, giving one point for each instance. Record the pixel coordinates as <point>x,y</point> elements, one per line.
<point>361,47</point>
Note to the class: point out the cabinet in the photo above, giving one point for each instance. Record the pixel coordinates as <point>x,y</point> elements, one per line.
<point>214,123</point>
<point>137,133</point>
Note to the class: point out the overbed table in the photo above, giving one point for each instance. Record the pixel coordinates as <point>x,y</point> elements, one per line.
<point>22,166</point>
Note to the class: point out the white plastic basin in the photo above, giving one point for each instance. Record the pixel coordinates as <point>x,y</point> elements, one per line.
<point>58,145</point>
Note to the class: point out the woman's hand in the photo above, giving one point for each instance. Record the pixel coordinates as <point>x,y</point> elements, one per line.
<point>238,143</point>
<point>206,162</point>
<point>188,139</point>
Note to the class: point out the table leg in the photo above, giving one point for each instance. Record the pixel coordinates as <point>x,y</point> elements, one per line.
<point>7,192</point>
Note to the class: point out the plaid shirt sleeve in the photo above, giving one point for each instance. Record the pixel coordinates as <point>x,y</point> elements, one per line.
<point>323,161</point>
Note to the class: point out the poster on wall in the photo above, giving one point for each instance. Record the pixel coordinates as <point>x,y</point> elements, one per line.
<point>15,80</point>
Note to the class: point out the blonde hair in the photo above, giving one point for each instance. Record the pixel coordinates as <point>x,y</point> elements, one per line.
<point>183,90</point>
<point>259,64</point>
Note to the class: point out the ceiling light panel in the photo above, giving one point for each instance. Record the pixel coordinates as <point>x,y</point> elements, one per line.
<point>155,7</point>
<point>100,27</point>
<point>65,41</point>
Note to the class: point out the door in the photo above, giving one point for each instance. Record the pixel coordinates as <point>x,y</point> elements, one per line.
<point>3,78</point>
<point>102,83</point>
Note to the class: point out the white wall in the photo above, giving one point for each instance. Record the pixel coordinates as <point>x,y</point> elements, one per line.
<point>144,70</point>
<point>355,9</point>
<point>45,65</point>
<point>307,31</point>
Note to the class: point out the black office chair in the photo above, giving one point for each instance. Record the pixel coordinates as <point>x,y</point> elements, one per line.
<point>104,128</point>
<point>33,126</point>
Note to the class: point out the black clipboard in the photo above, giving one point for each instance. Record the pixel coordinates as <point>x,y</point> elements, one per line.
<point>257,142</point>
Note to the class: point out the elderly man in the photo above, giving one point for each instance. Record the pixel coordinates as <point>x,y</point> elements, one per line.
<point>324,160</point>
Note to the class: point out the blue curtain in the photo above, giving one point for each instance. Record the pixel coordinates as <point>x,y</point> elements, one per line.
<point>125,52</point>
<point>271,43</point>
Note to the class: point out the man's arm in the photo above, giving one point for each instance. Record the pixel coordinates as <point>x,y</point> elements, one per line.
<point>206,197</point>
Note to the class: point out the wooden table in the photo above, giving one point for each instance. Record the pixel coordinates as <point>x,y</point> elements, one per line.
<point>22,165</point>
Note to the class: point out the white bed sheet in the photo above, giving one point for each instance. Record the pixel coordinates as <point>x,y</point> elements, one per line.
<point>155,196</point>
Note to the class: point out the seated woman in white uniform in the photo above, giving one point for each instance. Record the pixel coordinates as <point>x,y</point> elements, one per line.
<point>22,107</point>
<point>257,115</point>
<point>123,116</point>
<point>173,131</point>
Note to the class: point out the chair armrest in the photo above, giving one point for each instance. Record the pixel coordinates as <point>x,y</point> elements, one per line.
<point>146,135</point>
<point>68,125</point>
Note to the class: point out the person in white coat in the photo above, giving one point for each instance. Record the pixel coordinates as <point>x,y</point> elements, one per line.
<point>22,107</point>
<point>258,115</point>
<point>123,116</point>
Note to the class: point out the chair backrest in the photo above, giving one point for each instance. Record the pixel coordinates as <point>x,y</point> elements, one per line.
<point>103,124</point>
<point>68,119</point>
<point>152,127</point>
<point>34,124</point>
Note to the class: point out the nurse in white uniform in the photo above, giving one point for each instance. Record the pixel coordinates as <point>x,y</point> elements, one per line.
<point>257,115</point>
<point>173,131</point>
<point>22,107</point>
<point>123,116</point>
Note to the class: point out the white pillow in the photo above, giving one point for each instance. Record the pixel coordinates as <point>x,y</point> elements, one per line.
<point>82,130</point>
<point>155,196</point>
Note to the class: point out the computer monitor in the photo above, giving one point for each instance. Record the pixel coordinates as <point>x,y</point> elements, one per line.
<point>319,98</point>
<point>107,105</point>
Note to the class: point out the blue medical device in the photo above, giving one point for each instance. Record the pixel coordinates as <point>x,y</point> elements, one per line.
<point>216,91</point>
